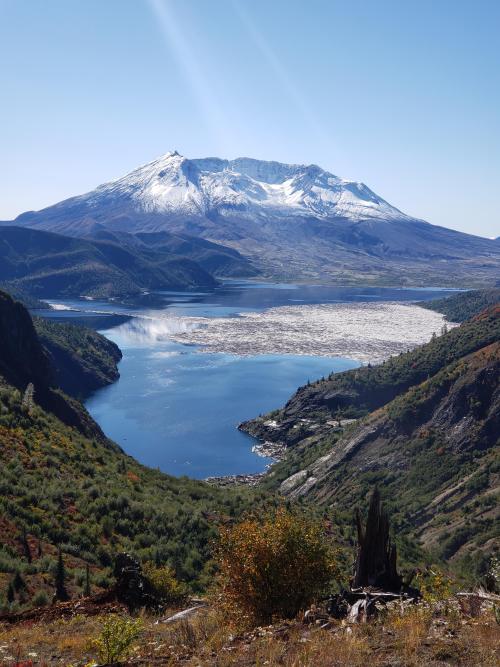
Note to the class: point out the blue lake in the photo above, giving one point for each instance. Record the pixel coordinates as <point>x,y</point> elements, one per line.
<point>176,408</point>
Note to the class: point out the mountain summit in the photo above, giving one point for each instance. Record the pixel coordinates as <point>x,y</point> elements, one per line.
<point>174,184</point>
<point>293,221</point>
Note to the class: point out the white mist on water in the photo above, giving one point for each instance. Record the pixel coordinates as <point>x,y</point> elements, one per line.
<point>148,330</point>
<point>60,306</point>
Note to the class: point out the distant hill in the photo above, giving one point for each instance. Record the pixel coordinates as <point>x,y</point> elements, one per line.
<point>218,260</point>
<point>293,221</point>
<point>43,264</point>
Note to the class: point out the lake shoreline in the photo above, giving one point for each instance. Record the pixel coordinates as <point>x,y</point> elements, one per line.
<point>177,404</point>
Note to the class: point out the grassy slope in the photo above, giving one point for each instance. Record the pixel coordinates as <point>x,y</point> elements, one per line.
<point>93,500</point>
<point>434,453</point>
<point>71,487</point>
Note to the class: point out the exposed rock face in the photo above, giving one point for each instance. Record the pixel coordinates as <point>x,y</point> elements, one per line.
<point>23,360</point>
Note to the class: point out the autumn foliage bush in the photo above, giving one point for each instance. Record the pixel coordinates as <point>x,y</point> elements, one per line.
<point>273,567</point>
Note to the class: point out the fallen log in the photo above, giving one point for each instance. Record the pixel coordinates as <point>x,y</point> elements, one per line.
<point>181,615</point>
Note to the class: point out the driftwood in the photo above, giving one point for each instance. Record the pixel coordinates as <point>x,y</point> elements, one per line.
<point>182,615</point>
<point>359,605</point>
<point>376,557</point>
<point>481,595</point>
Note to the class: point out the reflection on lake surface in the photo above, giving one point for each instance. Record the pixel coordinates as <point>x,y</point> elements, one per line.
<point>177,409</point>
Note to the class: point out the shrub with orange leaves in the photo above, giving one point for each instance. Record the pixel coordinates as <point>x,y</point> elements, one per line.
<point>273,567</point>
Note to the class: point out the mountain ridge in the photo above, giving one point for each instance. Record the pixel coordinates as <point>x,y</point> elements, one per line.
<point>108,264</point>
<point>293,222</point>
<point>169,183</point>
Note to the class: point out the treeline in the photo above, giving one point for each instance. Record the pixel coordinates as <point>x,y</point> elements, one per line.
<point>463,306</point>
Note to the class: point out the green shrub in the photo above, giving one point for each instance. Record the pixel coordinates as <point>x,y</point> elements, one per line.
<point>117,637</point>
<point>40,599</point>
<point>163,580</point>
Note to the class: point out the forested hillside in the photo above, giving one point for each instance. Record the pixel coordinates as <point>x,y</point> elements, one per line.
<point>82,359</point>
<point>462,306</point>
<point>424,426</point>
<point>42,264</point>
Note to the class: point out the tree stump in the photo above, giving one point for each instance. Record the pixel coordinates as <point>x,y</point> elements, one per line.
<point>376,557</point>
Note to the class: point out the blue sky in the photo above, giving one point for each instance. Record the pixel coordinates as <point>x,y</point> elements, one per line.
<point>402,95</point>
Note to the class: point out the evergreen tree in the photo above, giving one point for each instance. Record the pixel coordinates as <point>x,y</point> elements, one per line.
<point>86,590</point>
<point>26,546</point>
<point>11,594</point>
<point>18,582</point>
<point>61,593</point>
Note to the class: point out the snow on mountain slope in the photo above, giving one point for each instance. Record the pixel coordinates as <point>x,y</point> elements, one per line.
<point>292,222</point>
<point>173,184</point>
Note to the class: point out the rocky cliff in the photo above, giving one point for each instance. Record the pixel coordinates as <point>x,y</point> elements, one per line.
<point>24,360</point>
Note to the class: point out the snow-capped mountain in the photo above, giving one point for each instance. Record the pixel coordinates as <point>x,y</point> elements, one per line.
<point>292,221</point>
<point>175,184</point>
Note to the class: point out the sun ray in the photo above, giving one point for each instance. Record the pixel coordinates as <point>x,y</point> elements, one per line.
<point>182,51</point>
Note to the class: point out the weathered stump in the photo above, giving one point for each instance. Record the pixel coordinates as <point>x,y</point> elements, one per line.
<point>132,587</point>
<point>376,557</point>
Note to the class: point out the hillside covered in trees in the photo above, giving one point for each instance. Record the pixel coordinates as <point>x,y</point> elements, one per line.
<point>423,425</point>
<point>462,306</point>
<point>38,264</point>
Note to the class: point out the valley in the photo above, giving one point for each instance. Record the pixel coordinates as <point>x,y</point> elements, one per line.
<point>250,388</point>
<point>203,362</point>
<point>423,424</point>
